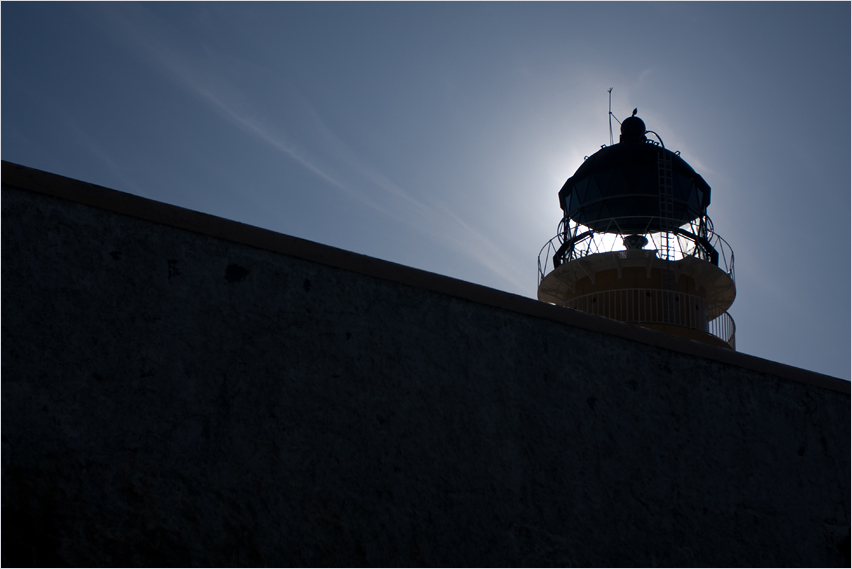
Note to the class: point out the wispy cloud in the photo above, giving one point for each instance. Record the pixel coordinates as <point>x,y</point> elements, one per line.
<point>478,246</point>
<point>213,78</point>
<point>134,26</point>
<point>266,133</point>
<point>434,218</point>
<point>53,107</point>
<point>643,77</point>
<point>106,158</point>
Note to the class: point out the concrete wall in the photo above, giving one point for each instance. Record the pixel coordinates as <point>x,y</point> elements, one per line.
<point>174,397</point>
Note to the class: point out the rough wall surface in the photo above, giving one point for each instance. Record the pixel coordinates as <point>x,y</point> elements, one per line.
<point>171,398</point>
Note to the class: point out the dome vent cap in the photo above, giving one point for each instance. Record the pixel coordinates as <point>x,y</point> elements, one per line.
<point>633,130</point>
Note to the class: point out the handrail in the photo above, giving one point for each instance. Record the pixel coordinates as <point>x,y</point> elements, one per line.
<point>656,306</point>
<point>725,328</point>
<point>576,241</point>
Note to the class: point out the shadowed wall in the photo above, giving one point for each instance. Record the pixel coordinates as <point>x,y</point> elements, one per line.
<point>171,397</point>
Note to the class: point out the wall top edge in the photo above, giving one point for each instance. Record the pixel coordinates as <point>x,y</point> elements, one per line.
<point>38,181</point>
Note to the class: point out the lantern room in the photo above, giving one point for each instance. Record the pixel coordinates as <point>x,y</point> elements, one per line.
<point>636,244</point>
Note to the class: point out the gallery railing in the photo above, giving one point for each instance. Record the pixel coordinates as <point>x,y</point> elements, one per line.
<point>655,306</point>
<point>693,239</point>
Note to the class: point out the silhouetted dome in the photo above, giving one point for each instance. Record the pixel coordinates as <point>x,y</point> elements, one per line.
<point>617,189</point>
<point>632,129</point>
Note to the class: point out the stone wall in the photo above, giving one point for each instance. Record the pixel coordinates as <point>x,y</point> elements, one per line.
<point>176,398</point>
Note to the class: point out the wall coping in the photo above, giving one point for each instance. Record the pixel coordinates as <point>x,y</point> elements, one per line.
<point>38,181</point>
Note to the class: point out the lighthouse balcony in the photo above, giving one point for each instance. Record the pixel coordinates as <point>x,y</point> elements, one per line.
<point>679,281</point>
<point>693,240</point>
<point>678,313</point>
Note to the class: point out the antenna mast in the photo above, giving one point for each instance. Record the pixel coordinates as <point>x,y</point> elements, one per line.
<point>610,115</point>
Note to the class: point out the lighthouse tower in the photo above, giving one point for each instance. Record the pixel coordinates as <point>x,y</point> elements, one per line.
<point>636,244</point>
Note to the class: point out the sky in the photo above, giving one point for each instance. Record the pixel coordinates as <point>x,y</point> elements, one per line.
<point>437,135</point>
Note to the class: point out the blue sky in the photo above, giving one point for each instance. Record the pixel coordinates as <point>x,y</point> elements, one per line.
<point>438,135</point>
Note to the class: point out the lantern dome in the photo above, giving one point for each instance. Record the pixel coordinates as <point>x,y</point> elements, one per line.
<point>617,189</point>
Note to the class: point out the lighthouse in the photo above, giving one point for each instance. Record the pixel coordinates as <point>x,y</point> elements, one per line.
<point>635,243</point>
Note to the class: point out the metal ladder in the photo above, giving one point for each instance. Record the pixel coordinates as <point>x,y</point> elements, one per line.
<point>666,252</point>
